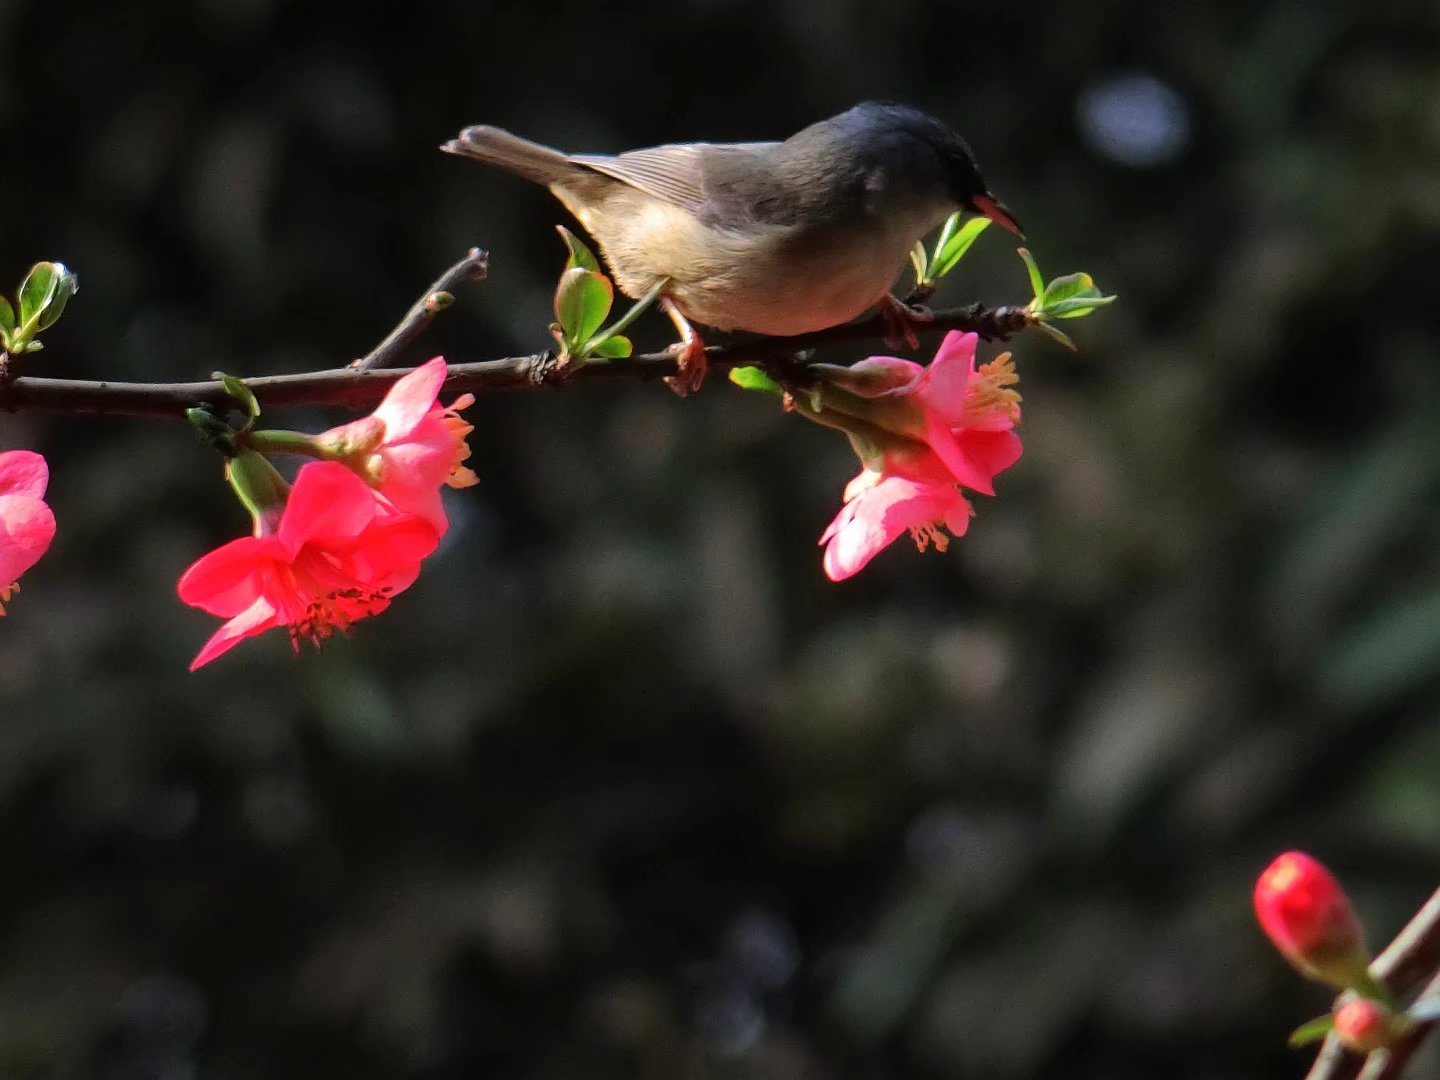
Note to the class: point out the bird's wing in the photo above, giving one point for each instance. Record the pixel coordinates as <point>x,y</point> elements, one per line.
<point>676,173</point>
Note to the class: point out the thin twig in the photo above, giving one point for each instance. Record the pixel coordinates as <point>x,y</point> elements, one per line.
<point>441,294</point>
<point>1407,961</point>
<point>356,388</point>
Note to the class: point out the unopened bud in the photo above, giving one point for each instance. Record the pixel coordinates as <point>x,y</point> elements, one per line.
<point>1365,1025</point>
<point>1305,912</point>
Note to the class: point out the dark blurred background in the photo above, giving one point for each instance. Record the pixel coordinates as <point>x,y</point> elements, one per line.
<point>623,787</point>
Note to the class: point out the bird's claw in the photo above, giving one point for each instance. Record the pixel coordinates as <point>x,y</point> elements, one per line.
<point>902,320</point>
<point>690,366</point>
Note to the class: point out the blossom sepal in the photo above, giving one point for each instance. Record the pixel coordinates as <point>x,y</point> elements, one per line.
<point>259,488</point>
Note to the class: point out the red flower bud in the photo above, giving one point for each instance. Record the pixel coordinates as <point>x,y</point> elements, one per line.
<point>1365,1025</point>
<point>1303,910</point>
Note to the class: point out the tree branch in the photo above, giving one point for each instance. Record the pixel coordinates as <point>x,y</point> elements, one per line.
<point>356,388</point>
<point>1410,959</point>
<point>1388,1064</point>
<point>473,267</point>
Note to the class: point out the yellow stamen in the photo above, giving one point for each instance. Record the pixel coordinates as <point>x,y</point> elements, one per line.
<point>460,476</point>
<point>6,592</point>
<point>933,533</point>
<point>989,392</point>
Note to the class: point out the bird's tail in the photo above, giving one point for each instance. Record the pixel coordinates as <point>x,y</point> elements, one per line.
<point>494,146</point>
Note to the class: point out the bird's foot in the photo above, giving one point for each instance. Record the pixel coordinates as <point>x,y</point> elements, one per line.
<point>902,320</point>
<point>690,363</point>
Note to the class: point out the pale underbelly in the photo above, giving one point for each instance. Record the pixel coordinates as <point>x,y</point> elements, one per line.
<point>786,300</point>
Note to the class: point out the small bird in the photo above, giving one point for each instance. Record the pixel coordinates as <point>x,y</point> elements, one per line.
<point>772,237</point>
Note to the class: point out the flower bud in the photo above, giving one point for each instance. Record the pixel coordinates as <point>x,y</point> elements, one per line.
<point>1364,1025</point>
<point>1303,910</point>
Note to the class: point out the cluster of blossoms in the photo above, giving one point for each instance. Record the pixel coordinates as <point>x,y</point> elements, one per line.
<point>1310,920</point>
<point>922,434</point>
<point>350,532</point>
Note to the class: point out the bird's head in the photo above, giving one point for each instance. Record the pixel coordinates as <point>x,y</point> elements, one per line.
<point>917,135</point>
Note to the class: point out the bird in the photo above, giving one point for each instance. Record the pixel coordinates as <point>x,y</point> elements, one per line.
<point>775,238</point>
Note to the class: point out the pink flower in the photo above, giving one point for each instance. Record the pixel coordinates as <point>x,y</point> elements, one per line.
<point>914,493</point>
<point>1308,917</point>
<point>927,431</point>
<point>26,524</point>
<point>410,446</point>
<point>963,413</point>
<point>336,554</point>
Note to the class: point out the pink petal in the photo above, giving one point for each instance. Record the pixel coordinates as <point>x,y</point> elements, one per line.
<point>255,619</point>
<point>411,398</point>
<point>949,448</point>
<point>947,379</point>
<point>992,451</point>
<point>958,349</point>
<point>866,526</point>
<point>228,580</point>
<point>973,457</point>
<point>328,505</point>
<point>390,552</point>
<point>23,472</point>
<point>26,529</point>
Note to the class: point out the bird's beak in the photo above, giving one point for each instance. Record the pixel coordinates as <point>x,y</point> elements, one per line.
<point>995,210</point>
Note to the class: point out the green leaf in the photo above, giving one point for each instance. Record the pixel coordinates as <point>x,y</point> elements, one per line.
<point>1076,306</point>
<point>615,347</point>
<point>582,300</point>
<point>919,260</point>
<point>36,290</point>
<point>7,316</point>
<point>1070,297</point>
<point>43,295</point>
<point>66,286</point>
<point>1059,335</point>
<point>752,378</point>
<point>1037,283</point>
<point>238,389</point>
<point>1063,288</point>
<point>580,255</point>
<point>946,232</point>
<point>956,246</point>
<point>1312,1031</point>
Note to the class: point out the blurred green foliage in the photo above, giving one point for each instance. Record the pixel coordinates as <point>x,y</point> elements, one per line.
<point>623,787</point>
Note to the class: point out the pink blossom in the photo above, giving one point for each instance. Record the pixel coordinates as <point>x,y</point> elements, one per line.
<point>410,446</point>
<point>919,497</point>
<point>931,430</point>
<point>26,524</point>
<point>963,413</point>
<point>335,554</point>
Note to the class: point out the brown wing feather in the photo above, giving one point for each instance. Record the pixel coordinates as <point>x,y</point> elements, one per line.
<point>674,173</point>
